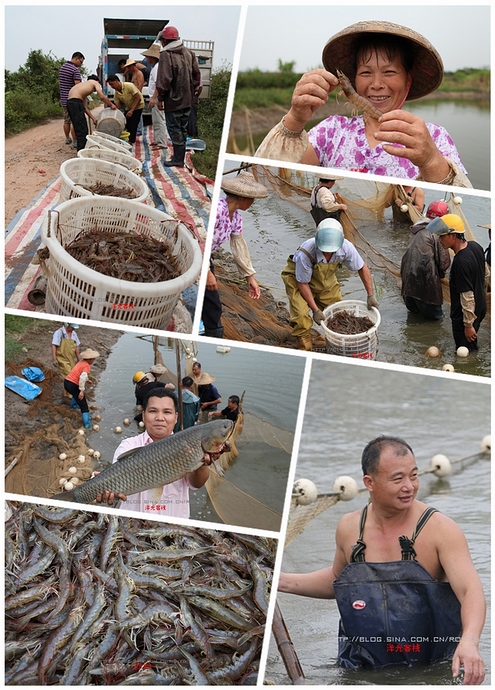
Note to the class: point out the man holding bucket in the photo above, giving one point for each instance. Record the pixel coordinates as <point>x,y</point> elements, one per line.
<point>311,282</point>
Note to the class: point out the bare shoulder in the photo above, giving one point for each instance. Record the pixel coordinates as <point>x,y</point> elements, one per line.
<point>443,529</point>
<point>348,524</point>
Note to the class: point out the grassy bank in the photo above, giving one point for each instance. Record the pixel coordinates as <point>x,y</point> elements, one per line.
<point>16,326</point>
<point>256,89</point>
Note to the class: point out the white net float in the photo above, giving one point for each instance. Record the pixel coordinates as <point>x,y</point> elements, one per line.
<point>486,444</point>
<point>347,488</point>
<point>68,486</point>
<point>433,351</point>
<point>304,491</point>
<point>96,427</point>
<point>440,464</point>
<point>118,429</point>
<point>462,351</point>
<point>62,456</point>
<point>448,367</point>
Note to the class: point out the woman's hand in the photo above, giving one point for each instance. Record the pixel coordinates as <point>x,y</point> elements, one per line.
<point>253,287</point>
<point>310,93</point>
<point>416,144</point>
<point>211,281</point>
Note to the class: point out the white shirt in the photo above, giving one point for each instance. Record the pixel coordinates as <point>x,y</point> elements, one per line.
<point>175,496</point>
<point>346,255</point>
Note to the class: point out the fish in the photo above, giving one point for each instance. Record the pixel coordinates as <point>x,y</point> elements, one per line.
<point>153,466</point>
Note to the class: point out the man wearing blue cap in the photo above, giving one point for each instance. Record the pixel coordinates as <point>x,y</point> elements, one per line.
<point>311,281</point>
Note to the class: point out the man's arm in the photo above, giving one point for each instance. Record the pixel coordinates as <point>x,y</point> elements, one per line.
<point>135,103</point>
<point>317,584</point>
<point>455,559</point>
<point>105,100</point>
<point>198,478</point>
<point>210,403</point>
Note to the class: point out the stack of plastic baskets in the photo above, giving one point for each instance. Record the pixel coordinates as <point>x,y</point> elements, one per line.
<point>101,140</point>
<point>124,159</point>
<point>77,291</point>
<point>360,345</point>
<point>80,173</point>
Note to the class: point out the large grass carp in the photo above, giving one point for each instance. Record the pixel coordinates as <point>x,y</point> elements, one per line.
<point>156,464</point>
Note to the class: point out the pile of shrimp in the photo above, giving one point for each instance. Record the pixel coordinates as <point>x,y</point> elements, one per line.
<point>96,599</point>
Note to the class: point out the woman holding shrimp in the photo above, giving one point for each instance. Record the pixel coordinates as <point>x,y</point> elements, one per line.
<point>386,64</point>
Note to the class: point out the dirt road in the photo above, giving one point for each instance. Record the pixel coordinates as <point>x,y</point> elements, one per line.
<point>32,159</point>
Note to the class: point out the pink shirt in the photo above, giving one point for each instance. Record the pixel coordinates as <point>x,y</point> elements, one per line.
<point>340,142</point>
<point>175,496</point>
<point>224,227</point>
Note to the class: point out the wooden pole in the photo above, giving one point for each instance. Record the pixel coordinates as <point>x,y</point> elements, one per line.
<point>286,648</point>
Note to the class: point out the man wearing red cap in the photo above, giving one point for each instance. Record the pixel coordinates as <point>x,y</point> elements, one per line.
<point>178,79</point>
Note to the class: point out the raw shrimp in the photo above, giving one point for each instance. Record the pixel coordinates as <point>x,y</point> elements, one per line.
<point>359,102</point>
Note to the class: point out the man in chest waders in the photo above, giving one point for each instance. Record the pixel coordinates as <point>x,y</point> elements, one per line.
<point>402,575</point>
<point>311,282</point>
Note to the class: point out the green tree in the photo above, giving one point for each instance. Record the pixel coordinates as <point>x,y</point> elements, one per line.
<point>286,67</point>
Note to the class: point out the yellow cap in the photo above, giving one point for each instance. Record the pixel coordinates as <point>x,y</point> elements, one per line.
<point>138,376</point>
<point>453,222</point>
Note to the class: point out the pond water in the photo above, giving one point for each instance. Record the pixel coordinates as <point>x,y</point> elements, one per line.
<point>467,122</point>
<point>275,227</point>
<point>347,406</point>
<point>260,470</point>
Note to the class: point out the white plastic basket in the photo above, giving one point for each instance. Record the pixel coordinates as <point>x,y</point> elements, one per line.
<point>111,156</point>
<point>77,291</point>
<point>77,173</point>
<point>110,122</point>
<point>360,345</point>
<point>101,140</point>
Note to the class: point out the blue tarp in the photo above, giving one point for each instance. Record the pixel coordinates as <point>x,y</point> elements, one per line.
<point>25,389</point>
<point>33,374</point>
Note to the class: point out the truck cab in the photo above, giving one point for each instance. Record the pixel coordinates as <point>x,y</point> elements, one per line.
<point>121,36</point>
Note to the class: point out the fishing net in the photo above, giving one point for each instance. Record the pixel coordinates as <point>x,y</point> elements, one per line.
<point>366,202</point>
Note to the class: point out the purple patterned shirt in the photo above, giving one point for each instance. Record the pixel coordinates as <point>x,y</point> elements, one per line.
<point>340,142</point>
<point>224,227</point>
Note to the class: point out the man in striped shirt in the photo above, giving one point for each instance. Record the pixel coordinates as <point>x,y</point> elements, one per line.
<point>68,76</point>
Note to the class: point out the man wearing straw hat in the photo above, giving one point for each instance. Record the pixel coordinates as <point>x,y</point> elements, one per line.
<point>177,81</point>
<point>414,599</point>
<point>240,192</point>
<point>209,396</point>
<point>157,116</point>
<point>311,282</point>
<point>324,204</point>
<point>386,64</point>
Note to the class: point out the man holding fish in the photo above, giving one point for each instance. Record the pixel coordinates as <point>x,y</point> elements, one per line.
<point>155,470</point>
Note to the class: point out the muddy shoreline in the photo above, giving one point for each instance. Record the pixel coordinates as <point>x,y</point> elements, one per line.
<point>36,432</point>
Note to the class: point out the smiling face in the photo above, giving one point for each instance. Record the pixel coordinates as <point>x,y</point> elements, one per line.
<point>382,79</point>
<point>395,483</point>
<point>159,417</point>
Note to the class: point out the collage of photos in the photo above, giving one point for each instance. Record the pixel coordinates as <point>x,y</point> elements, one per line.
<point>247,330</point>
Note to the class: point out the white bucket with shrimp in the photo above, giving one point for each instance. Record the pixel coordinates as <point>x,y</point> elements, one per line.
<point>359,345</point>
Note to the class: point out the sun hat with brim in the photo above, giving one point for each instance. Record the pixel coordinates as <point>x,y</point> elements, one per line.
<point>446,225</point>
<point>89,354</point>
<point>244,184</point>
<point>153,51</point>
<point>331,178</point>
<point>204,379</point>
<point>427,70</point>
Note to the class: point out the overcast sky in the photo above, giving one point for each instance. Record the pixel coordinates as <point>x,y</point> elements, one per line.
<point>460,34</point>
<point>63,29</point>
